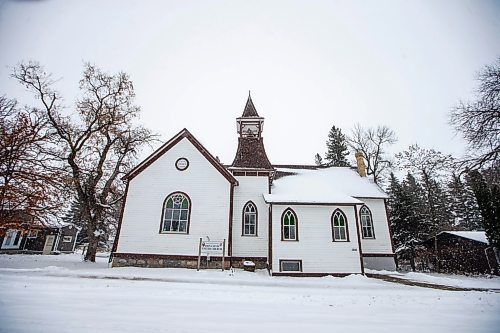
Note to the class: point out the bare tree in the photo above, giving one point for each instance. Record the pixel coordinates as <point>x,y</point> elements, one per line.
<point>479,121</point>
<point>98,142</point>
<point>373,143</point>
<point>426,163</point>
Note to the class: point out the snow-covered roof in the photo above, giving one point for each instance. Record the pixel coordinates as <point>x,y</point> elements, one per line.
<point>479,236</point>
<point>334,185</point>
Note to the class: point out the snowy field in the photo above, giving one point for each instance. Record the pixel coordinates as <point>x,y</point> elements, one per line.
<point>63,294</point>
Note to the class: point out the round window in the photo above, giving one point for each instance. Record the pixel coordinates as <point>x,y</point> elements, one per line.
<point>182,164</point>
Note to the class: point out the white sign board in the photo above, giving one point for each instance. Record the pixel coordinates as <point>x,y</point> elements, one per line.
<point>215,248</point>
<point>212,247</point>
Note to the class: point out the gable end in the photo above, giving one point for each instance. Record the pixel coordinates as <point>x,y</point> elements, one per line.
<point>171,143</point>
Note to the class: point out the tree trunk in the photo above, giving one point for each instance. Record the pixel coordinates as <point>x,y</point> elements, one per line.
<point>91,251</point>
<point>412,259</point>
<point>436,255</point>
<point>93,240</point>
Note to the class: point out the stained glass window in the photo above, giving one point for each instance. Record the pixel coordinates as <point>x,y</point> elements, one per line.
<point>289,225</point>
<point>176,213</point>
<point>339,225</point>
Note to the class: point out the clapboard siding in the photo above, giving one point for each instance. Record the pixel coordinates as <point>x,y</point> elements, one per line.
<point>382,241</point>
<point>250,189</point>
<point>315,247</point>
<point>207,188</point>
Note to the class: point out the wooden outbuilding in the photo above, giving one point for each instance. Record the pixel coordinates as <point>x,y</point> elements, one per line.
<point>462,252</point>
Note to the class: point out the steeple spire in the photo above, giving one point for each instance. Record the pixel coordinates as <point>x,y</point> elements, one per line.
<point>250,110</point>
<point>251,152</point>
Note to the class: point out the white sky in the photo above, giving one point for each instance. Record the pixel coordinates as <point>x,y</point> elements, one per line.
<point>309,64</point>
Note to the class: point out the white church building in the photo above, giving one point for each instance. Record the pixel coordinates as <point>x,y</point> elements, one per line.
<point>291,219</point>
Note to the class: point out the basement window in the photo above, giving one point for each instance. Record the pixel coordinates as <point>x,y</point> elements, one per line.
<point>290,265</point>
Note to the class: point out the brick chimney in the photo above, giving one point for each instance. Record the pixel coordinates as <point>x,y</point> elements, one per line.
<point>360,161</point>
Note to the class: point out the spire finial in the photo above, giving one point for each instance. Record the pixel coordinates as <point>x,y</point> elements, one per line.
<point>250,108</point>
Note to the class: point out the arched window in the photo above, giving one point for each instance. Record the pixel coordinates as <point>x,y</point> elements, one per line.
<point>366,222</point>
<point>176,213</point>
<point>339,226</point>
<point>289,225</point>
<point>250,219</point>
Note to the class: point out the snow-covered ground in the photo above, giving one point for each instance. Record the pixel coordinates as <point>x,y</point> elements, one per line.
<point>63,294</point>
<point>459,281</point>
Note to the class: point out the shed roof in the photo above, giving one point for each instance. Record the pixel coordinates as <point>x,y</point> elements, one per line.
<point>478,236</point>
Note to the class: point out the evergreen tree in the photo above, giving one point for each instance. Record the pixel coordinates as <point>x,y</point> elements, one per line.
<point>336,146</point>
<point>488,199</point>
<point>318,160</point>
<point>408,223</point>
<point>463,204</point>
<point>431,167</point>
<point>420,225</point>
<point>75,215</point>
<point>436,206</point>
<point>397,215</point>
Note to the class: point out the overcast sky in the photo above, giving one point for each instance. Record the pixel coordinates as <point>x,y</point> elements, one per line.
<point>309,64</point>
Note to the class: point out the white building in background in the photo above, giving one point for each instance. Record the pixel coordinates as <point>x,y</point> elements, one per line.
<point>292,219</point>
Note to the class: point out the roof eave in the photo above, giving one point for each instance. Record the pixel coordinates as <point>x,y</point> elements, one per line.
<point>168,145</point>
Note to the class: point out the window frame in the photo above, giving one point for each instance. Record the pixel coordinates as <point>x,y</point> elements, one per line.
<point>296,239</point>
<point>282,261</point>
<point>371,222</point>
<point>244,214</point>
<point>346,226</point>
<point>17,235</point>
<point>163,209</point>
<point>67,239</point>
<point>32,233</point>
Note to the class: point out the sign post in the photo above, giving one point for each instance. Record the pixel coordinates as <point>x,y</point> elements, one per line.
<point>199,256</point>
<point>223,253</point>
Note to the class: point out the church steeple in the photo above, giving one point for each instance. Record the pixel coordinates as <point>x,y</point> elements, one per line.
<point>251,152</point>
<point>250,124</point>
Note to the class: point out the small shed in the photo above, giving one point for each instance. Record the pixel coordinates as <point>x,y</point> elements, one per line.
<point>38,238</point>
<point>463,252</point>
<point>66,240</point>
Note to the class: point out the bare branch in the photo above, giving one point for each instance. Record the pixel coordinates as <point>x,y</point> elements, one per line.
<point>373,144</point>
<point>479,121</point>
